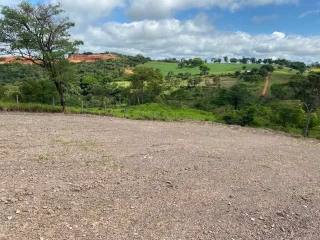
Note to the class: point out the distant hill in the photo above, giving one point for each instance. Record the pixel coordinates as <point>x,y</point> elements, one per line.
<point>75,58</point>
<point>79,58</point>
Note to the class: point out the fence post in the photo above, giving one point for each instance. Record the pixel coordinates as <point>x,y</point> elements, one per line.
<point>17,98</point>
<point>53,102</point>
<point>82,106</point>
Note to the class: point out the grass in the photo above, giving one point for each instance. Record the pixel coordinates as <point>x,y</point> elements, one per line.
<point>222,68</point>
<point>282,76</point>
<point>152,111</point>
<point>315,69</point>
<point>29,107</point>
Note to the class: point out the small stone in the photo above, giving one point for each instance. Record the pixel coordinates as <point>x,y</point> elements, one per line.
<point>253,219</point>
<point>280,214</point>
<point>45,207</point>
<point>18,211</point>
<point>9,218</point>
<point>169,184</point>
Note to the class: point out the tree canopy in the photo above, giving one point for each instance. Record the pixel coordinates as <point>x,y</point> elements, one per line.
<point>40,34</point>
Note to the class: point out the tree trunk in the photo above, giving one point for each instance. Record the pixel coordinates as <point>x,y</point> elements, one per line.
<point>60,90</point>
<point>62,101</point>
<point>307,127</point>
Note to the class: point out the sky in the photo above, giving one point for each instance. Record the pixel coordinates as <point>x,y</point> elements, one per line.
<point>197,28</point>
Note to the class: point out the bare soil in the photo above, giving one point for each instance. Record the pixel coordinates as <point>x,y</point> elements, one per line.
<point>85,177</point>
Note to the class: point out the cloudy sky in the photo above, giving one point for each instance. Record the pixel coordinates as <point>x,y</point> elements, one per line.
<point>205,28</point>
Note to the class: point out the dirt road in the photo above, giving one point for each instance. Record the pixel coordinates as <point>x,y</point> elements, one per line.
<point>82,177</point>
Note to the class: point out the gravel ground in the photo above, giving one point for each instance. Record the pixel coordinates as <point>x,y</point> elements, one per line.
<point>85,177</point>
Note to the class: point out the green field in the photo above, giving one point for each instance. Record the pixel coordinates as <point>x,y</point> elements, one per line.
<point>151,111</point>
<point>222,68</point>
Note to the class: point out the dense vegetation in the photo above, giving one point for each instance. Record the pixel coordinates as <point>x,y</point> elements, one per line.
<point>129,87</point>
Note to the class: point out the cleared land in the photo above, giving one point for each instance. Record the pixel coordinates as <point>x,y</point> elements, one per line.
<point>81,177</point>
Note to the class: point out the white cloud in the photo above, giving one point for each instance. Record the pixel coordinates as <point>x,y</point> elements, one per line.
<point>140,9</point>
<point>151,9</point>
<point>261,19</point>
<point>174,38</point>
<point>86,11</point>
<point>308,13</point>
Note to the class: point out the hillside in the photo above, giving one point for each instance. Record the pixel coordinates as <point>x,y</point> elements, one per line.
<point>222,68</point>
<point>75,58</point>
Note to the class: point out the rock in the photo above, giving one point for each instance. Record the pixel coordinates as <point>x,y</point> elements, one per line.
<point>18,211</point>
<point>9,218</point>
<point>169,184</point>
<point>280,214</point>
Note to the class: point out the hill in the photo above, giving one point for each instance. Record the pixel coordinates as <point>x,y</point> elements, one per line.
<point>222,68</point>
<point>75,58</point>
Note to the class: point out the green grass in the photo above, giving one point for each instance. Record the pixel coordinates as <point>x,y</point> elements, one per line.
<point>162,112</point>
<point>28,107</point>
<point>282,76</point>
<point>165,67</point>
<point>152,111</point>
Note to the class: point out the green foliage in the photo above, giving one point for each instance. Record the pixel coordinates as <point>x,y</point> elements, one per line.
<point>42,91</point>
<point>40,33</point>
<point>237,96</point>
<point>307,89</point>
<point>204,69</point>
<point>288,114</point>
<point>146,84</point>
<point>255,74</point>
<point>190,63</point>
<point>281,91</point>
<point>11,73</point>
<point>193,82</point>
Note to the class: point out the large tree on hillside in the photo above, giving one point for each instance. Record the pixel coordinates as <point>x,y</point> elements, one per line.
<point>40,34</point>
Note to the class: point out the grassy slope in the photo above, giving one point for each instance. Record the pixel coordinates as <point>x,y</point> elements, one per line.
<point>152,111</point>
<point>214,68</point>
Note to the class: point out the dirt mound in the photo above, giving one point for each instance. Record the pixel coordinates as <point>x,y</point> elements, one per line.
<point>11,59</point>
<point>78,58</point>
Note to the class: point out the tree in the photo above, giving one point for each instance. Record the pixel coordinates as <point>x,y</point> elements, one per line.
<point>193,82</point>
<point>308,91</point>
<point>146,80</point>
<point>41,35</point>
<point>237,96</point>
<point>204,69</point>
<point>233,60</point>
<point>226,59</point>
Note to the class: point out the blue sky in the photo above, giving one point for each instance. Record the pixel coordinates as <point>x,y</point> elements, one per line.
<point>205,28</point>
